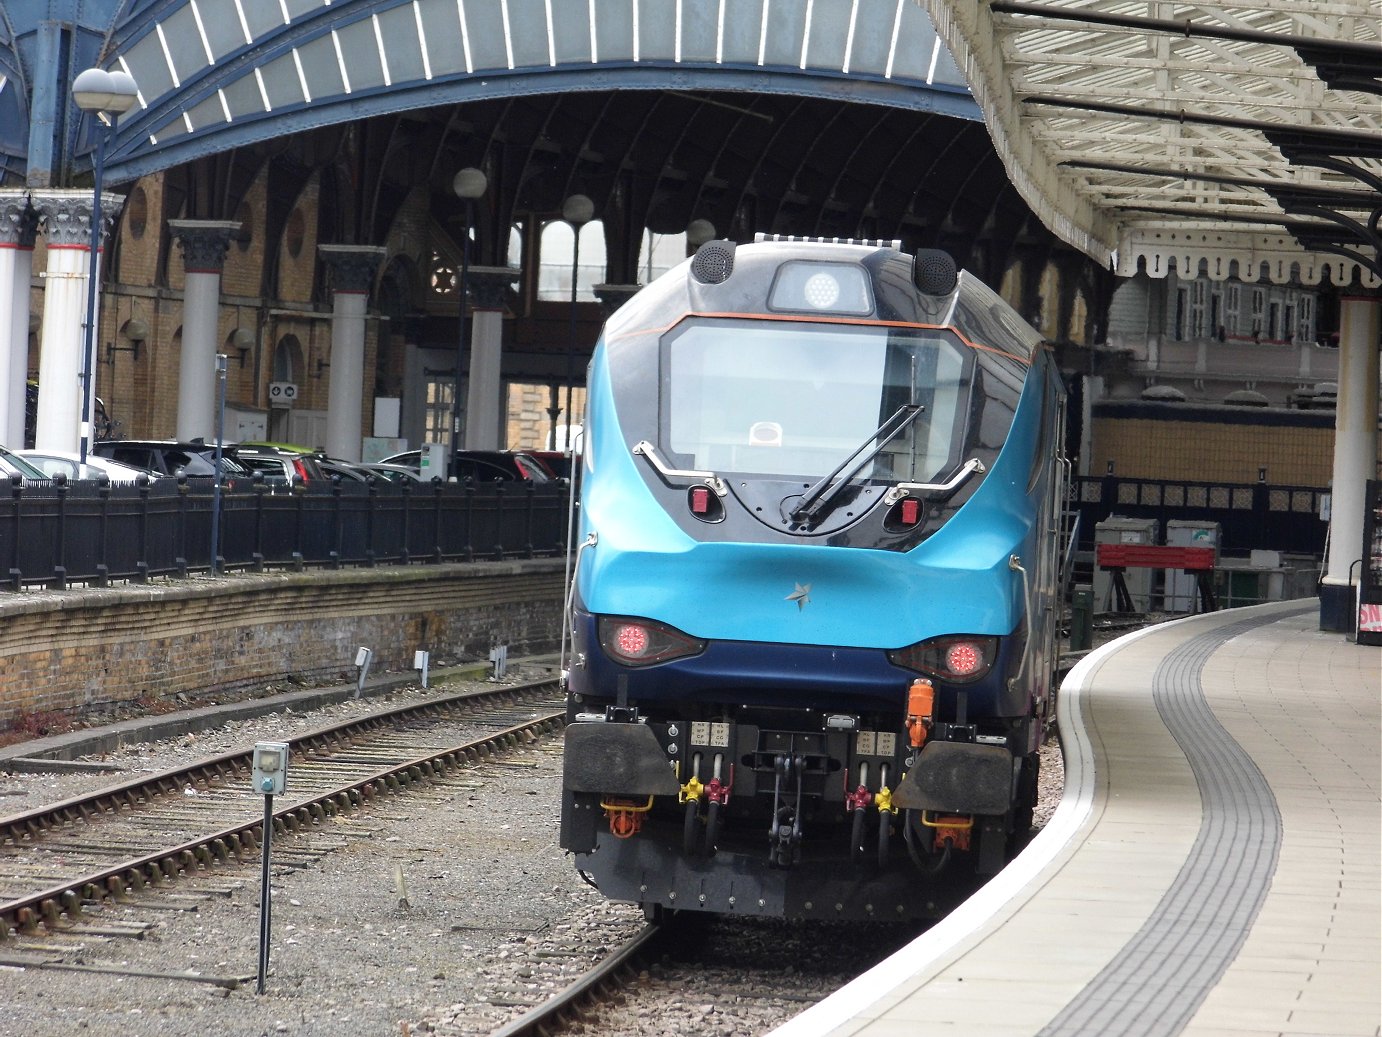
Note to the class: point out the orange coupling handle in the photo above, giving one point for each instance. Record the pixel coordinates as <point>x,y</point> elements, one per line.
<point>921,704</point>
<point>625,816</point>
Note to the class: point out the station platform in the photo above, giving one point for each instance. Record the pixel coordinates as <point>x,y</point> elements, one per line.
<point>1214,866</point>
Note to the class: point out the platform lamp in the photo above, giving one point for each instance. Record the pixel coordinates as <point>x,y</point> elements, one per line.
<point>107,95</point>
<point>577,211</point>
<point>698,232</point>
<point>469,184</point>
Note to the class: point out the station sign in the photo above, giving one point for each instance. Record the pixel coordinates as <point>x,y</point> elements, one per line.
<point>282,394</point>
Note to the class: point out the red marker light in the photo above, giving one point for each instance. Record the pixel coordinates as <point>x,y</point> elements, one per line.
<point>911,511</point>
<point>644,642</point>
<point>700,500</point>
<point>963,658</point>
<point>631,640</point>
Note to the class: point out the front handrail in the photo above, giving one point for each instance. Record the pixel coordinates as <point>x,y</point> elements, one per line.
<point>645,449</point>
<point>904,489</point>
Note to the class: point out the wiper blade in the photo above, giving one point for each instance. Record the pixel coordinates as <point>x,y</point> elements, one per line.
<point>818,498</point>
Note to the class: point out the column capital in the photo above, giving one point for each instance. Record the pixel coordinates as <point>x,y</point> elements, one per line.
<point>18,220</point>
<point>352,266</point>
<point>612,296</point>
<point>488,286</point>
<point>66,215</point>
<point>204,243</point>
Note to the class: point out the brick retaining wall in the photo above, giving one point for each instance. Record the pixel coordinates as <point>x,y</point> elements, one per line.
<point>72,651</point>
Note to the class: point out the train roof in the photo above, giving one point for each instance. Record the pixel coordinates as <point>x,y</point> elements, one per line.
<point>742,279</point>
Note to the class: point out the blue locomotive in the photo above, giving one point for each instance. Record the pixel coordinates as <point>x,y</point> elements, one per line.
<point>813,610</point>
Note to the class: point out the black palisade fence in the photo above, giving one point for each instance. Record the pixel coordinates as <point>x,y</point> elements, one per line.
<point>58,534</point>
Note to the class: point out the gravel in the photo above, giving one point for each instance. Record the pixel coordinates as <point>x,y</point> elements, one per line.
<point>443,913</point>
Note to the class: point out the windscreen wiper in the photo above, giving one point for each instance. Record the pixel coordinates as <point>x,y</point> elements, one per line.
<point>818,498</point>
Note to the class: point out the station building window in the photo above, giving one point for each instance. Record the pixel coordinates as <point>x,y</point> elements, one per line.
<point>658,253</point>
<point>1210,309</point>
<point>555,256</point>
<point>436,416</point>
<point>1305,318</point>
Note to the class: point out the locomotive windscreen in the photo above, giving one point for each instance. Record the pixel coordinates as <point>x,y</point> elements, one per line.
<point>795,399</point>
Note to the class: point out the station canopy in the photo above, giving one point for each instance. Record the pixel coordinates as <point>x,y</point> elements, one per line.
<point>1238,137</point>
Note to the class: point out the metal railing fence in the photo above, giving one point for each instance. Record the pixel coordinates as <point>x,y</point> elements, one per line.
<point>58,534</point>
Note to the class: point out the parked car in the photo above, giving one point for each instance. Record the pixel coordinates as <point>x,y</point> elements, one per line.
<point>349,471</point>
<point>169,457</point>
<point>12,464</point>
<point>287,448</point>
<point>58,462</point>
<point>557,463</point>
<point>483,465</point>
<point>315,463</point>
<point>395,473</point>
<point>279,467</point>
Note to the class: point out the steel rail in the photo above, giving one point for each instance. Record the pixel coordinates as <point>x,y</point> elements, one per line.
<point>60,906</point>
<point>30,824</point>
<point>555,1014</point>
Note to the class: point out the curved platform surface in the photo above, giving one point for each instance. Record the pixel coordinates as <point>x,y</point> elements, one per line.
<point>1214,867</point>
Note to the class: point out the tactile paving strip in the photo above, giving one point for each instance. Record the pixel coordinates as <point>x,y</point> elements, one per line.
<point>1159,979</point>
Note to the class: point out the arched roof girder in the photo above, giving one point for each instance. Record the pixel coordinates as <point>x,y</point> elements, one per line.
<point>217,76</point>
<point>869,150</point>
<point>672,128</point>
<point>14,105</point>
<point>887,180</point>
<point>767,176</point>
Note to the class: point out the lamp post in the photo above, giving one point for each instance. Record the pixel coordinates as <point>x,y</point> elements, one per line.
<point>220,446</point>
<point>107,95</point>
<point>698,232</point>
<point>469,184</point>
<point>577,211</point>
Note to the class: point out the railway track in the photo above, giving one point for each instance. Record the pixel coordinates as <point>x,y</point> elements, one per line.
<point>60,861</point>
<point>713,974</point>
<point>602,983</point>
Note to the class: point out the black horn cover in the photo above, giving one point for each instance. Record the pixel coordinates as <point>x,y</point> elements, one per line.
<point>714,262</point>
<point>933,271</point>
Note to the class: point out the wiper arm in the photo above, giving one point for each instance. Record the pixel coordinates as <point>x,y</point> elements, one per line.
<point>817,499</point>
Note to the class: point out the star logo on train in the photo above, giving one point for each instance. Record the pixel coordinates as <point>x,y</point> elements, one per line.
<point>801,595</point>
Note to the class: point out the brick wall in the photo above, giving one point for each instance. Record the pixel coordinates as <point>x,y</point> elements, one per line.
<point>529,426</point>
<point>1165,448</point>
<point>68,652</point>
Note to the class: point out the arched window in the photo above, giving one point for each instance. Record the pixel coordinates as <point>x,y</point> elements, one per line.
<point>555,257</point>
<point>287,358</point>
<point>658,253</point>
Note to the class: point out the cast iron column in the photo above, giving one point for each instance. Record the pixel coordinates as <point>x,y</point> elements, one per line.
<point>204,244</point>
<point>352,275</point>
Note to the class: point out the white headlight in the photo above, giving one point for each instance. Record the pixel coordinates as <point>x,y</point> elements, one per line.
<point>822,288</point>
<point>822,291</point>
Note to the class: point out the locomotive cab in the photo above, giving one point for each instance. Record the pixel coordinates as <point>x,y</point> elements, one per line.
<point>812,611</point>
